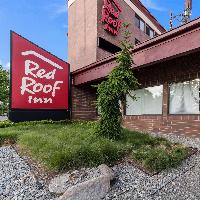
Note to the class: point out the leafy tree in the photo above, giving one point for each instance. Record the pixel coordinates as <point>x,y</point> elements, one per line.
<point>4,87</point>
<point>114,90</point>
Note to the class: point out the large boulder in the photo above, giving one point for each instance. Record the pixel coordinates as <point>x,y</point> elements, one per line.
<point>93,189</point>
<point>59,184</point>
<point>105,170</point>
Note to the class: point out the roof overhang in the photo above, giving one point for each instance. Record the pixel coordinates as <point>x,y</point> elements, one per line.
<point>176,43</point>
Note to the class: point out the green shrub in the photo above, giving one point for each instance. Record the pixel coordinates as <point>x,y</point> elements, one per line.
<point>7,123</point>
<point>114,89</point>
<point>161,157</point>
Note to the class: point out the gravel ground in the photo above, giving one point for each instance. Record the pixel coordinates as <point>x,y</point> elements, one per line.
<point>17,182</point>
<point>182,183</point>
<point>61,183</point>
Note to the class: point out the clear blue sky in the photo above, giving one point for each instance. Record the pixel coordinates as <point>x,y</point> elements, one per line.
<point>45,22</point>
<point>161,9</point>
<point>41,21</point>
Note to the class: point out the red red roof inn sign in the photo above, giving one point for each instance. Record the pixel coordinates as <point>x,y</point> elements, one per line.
<point>39,83</point>
<point>110,16</point>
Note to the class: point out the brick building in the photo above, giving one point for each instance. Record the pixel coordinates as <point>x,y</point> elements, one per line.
<point>90,39</point>
<point>167,65</point>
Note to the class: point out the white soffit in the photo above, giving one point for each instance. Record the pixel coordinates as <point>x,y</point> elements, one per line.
<point>144,17</point>
<point>70,2</point>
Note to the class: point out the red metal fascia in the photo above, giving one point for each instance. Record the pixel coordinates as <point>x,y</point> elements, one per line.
<point>167,46</point>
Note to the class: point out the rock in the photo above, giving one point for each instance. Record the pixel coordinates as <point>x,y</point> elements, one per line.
<point>94,189</point>
<point>59,184</point>
<point>105,170</point>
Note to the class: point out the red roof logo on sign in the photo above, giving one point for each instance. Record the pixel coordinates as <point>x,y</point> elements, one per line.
<point>39,79</point>
<point>110,16</point>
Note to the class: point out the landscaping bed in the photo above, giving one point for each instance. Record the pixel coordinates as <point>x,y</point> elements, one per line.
<point>62,146</point>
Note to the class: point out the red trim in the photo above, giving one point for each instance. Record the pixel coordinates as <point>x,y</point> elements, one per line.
<point>175,44</point>
<point>148,43</point>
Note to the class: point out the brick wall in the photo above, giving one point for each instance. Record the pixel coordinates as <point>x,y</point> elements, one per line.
<point>179,69</point>
<point>176,70</point>
<point>127,15</point>
<point>83,102</point>
<point>188,125</point>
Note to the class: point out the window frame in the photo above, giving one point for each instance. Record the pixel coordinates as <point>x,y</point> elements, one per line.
<point>125,107</point>
<point>150,30</point>
<point>140,20</point>
<point>168,99</point>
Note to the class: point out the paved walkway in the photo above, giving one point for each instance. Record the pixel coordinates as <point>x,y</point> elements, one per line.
<point>2,118</point>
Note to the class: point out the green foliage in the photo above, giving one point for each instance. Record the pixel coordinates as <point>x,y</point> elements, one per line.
<point>161,156</point>
<point>72,145</point>
<point>138,140</point>
<point>10,135</point>
<point>4,89</point>
<point>7,123</point>
<point>113,91</point>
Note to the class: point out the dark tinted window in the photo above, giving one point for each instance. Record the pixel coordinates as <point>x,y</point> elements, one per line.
<point>108,46</point>
<point>149,31</point>
<point>139,23</point>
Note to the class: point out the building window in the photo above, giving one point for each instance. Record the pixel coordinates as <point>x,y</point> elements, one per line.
<point>139,23</point>
<point>149,31</point>
<point>148,101</point>
<point>185,97</point>
<point>137,41</point>
<point>108,46</point>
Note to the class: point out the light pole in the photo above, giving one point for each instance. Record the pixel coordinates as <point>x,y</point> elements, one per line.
<point>184,17</point>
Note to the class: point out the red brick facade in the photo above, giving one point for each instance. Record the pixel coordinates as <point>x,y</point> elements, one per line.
<point>187,125</point>
<point>84,102</point>
<point>176,70</point>
<point>85,27</point>
<point>169,58</point>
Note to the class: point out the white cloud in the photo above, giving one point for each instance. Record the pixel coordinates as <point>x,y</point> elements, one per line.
<point>65,26</point>
<point>152,5</point>
<point>7,66</point>
<point>61,9</point>
<point>56,9</point>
